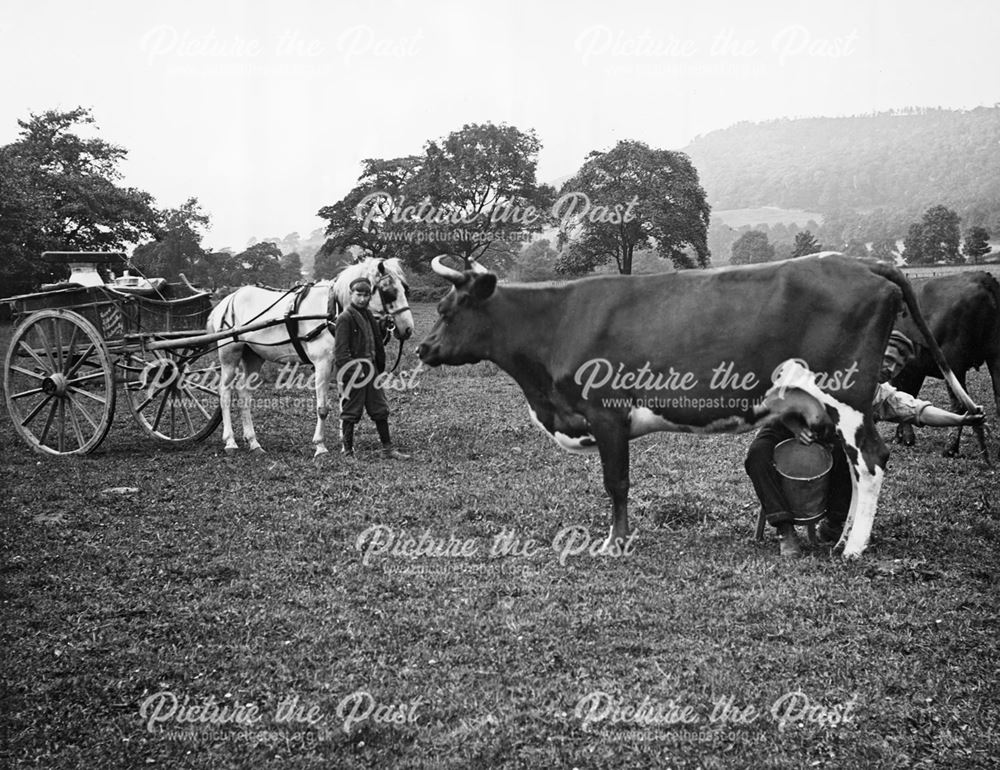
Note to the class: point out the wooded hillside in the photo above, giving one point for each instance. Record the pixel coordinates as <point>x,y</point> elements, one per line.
<point>875,173</point>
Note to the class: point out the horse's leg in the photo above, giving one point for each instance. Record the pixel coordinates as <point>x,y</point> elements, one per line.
<point>230,356</point>
<point>324,365</point>
<point>251,371</point>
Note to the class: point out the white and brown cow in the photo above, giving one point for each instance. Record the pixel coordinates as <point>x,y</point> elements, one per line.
<point>607,359</point>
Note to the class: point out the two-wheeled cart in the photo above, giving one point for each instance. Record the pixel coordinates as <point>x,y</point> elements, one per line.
<point>74,345</point>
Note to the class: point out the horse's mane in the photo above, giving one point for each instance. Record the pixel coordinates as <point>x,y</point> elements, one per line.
<point>367,268</point>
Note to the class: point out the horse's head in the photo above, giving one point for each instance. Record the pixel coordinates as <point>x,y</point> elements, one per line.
<point>389,290</point>
<point>389,296</point>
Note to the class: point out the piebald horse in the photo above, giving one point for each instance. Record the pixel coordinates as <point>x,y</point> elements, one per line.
<point>309,341</point>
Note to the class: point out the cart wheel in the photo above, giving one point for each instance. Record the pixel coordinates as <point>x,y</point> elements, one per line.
<point>59,383</point>
<point>174,394</point>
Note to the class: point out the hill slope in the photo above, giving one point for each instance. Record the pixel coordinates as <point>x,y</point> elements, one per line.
<point>877,172</point>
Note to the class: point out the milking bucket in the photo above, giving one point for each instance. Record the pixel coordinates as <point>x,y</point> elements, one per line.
<point>805,477</point>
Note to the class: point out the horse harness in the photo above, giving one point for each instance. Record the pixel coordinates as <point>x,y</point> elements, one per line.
<point>333,309</point>
<point>291,324</point>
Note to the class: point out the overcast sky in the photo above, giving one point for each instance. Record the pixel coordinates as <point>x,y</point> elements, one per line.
<point>264,110</point>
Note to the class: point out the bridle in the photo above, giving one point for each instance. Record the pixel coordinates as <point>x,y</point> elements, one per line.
<point>388,317</point>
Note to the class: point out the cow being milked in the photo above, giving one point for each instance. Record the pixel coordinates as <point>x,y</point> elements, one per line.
<point>607,359</point>
<point>963,313</point>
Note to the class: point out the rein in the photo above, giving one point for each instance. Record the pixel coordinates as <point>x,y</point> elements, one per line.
<point>399,356</point>
<point>391,323</point>
<point>300,292</point>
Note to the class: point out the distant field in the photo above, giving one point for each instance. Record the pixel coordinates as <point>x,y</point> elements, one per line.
<point>769,215</point>
<point>236,585</point>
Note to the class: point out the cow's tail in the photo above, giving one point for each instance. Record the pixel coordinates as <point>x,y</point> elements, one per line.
<point>894,274</point>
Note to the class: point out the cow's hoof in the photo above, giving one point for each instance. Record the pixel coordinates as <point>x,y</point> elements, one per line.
<point>851,555</point>
<point>615,546</point>
<point>231,450</point>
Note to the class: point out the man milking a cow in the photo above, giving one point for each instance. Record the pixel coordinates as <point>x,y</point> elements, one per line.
<point>889,404</point>
<point>359,354</point>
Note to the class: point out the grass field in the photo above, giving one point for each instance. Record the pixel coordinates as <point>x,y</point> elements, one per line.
<point>224,614</point>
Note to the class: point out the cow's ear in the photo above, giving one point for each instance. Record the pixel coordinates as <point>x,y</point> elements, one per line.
<point>482,286</point>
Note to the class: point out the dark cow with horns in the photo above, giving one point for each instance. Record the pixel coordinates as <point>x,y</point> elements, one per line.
<point>963,313</point>
<point>606,359</point>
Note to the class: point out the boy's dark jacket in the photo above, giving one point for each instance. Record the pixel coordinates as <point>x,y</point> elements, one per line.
<point>349,342</point>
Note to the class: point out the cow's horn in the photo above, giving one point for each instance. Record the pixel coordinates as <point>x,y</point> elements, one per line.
<point>438,266</point>
<point>475,267</point>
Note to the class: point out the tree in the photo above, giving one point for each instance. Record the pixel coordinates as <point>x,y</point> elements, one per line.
<point>941,235</point>
<point>782,251</point>
<point>177,248</point>
<point>805,243</point>
<point>884,249</point>
<point>934,239</point>
<point>632,197</point>
<point>359,217</point>
<point>213,269</point>
<point>291,268</point>
<point>856,248</point>
<point>59,191</point>
<point>328,263</point>
<point>482,180</point>
<point>751,248</point>
<point>499,256</point>
<point>913,245</point>
<point>260,263</point>
<point>536,262</point>
<point>720,240</point>
<point>463,195</point>
<point>977,244</point>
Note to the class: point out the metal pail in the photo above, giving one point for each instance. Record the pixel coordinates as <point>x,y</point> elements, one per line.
<point>805,477</point>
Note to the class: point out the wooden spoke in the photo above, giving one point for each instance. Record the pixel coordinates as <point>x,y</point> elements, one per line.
<point>75,423</point>
<point>71,345</point>
<point>59,383</point>
<point>57,339</point>
<point>79,407</point>
<point>47,347</point>
<point>26,348</point>
<point>197,403</point>
<point>48,422</point>
<point>80,361</point>
<point>38,407</point>
<point>167,394</point>
<point>93,396</point>
<point>27,372</point>
<point>85,378</point>
<point>25,393</point>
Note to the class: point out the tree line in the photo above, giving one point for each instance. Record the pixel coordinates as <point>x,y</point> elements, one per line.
<point>60,191</point>
<point>935,239</point>
<point>473,193</point>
